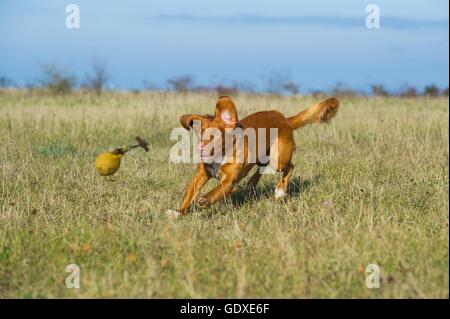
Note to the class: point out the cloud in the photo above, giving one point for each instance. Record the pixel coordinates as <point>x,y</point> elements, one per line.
<point>343,22</point>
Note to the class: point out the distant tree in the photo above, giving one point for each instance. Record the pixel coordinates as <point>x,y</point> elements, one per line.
<point>279,82</point>
<point>318,93</point>
<point>57,79</point>
<point>201,88</point>
<point>341,90</point>
<point>244,86</point>
<point>409,92</point>
<point>31,87</point>
<point>182,83</point>
<point>379,90</point>
<point>226,89</point>
<point>431,90</point>
<point>444,92</point>
<point>5,82</point>
<point>98,78</point>
<point>291,87</point>
<point>149,85</point>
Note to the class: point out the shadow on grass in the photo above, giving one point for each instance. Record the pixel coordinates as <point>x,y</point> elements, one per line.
<point>296,186</point>
<point>246,195</point>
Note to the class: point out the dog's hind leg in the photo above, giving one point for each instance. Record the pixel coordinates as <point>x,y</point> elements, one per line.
<point>253,181</point>
<point>280,160</point>
<point>282,186</point>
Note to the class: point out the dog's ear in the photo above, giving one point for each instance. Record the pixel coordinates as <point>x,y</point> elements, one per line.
<point>226,111</point>
<point>187,120</point>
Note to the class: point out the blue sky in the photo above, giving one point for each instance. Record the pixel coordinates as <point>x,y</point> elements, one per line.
<point>319,42</point>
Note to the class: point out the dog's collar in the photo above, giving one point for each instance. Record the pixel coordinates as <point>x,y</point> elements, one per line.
<point>213,169</point>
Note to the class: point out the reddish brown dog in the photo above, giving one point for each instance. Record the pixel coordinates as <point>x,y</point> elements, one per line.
<point>230,173</point>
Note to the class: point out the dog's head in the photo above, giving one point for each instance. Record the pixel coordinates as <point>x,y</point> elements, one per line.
<point>225,116</point>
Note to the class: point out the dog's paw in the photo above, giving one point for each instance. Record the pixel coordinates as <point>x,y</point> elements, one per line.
<point>173,214</point>
<point>279,193</point>
<point>202,202</point>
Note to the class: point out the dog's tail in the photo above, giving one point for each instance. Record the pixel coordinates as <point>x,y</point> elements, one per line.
<point>321,112</point>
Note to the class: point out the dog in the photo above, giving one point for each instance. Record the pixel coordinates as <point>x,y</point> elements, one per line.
<point>231,171</point>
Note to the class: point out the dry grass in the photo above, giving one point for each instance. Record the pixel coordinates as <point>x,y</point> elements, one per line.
<point>370,188</point>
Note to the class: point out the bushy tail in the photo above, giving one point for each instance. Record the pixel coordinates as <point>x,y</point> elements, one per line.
<point>321,112</point>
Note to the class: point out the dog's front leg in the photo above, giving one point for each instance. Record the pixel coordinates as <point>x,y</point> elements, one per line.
<point>228,181</point>
<point>194,188</point>
<point>221,191</point>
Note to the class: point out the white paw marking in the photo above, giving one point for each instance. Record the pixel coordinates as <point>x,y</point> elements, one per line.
<point>279,193</point>
<point>172,213</point>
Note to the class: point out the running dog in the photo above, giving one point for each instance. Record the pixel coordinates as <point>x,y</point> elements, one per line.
<point>230,172</point>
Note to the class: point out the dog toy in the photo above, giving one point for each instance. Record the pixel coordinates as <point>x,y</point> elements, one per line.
<point>107,163</point>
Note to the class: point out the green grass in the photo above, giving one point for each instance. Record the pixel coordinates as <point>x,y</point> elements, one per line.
<point>369,188</point>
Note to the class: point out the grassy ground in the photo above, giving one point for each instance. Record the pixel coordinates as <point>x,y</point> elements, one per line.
<point>370,188</point>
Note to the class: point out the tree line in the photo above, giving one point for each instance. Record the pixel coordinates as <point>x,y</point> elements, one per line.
<point>59,80</point>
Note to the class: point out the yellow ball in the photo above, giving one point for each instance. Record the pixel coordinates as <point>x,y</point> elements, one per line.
<point>107,163</point>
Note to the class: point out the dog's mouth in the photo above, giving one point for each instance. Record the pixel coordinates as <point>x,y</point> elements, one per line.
<point>205,154</point>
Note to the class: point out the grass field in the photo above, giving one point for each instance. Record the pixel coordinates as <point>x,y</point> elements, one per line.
<point>369,188</point>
